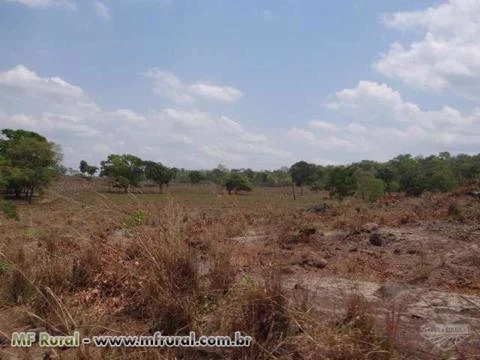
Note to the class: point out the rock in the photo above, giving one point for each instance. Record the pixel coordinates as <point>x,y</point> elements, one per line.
<point>381,239</point>
<point>391,290</point>
<point>369,227</point>
<point>311,260</point>
<point>319,263</point>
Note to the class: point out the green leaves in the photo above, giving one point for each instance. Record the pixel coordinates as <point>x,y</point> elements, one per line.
<point>159,174</point>
<point>237,182</point>
<point>28,162</point>
<point>126,170</point>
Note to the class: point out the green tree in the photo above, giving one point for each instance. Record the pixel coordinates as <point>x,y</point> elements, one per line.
<point>237,182</point>
<point>126,170</point>
<point>341,181</point>
<point>407,171</point>
<point>87,169</point>
<point>437,173</point>
<point>303,173</point>
<point>195,177</point>
<point>29,161</point>
<point>218,175</point>
<point>368,187</point>
<point>158,173</point>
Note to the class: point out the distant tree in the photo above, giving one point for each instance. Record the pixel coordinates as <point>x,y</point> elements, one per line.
<point>218,175</point>
<point>158,173</point>
<point>385,173</point>
<point>368,187</point>
<point>29,161</point>
<point>195,177</point>
<point>407,171</point>
<point>318,182</point>
<point>437,173</point>
<point>87,169</point>
<point>341,181</point>
<point>126,170</point>
<point>303,173</point>
<point>237,182</point>
<point>83,166</point>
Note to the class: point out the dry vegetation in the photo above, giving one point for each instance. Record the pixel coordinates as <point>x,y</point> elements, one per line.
<point>195,259</point>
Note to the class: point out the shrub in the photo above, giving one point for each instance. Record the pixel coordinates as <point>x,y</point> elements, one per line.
<point>237,182</point>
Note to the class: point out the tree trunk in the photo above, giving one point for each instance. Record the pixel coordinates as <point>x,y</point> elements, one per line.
<point>293,191</point>
<point>301,190</point>
<point>30,195</point>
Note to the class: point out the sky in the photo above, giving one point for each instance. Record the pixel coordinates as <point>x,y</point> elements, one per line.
<point>255,84</point>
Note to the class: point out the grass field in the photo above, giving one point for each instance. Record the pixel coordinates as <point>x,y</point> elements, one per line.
<point>355,282</point>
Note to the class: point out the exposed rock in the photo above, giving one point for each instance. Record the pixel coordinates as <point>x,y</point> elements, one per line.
<point>381,239</point>
<point>311,260</point>
<point>391,290</point>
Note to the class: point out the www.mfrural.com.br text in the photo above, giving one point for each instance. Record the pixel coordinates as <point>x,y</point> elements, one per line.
<point>44,339</point>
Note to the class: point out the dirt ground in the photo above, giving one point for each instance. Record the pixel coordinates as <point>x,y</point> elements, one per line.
<point>415,262</point>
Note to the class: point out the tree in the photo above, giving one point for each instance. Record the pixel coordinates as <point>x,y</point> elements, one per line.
<point>218,175</point>
<point>407,171</point>
<point>437,174</point>
<point>159,174</point>
<point>237,182</point>
<point>368,187</point>
<point>29,161</point>
<point>341,181</point>
<point>126,170</point>
<point>195,177</point>
<point>303,173</point>
<point>87,169</point>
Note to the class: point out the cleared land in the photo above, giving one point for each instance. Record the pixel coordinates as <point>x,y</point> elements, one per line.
<point>359,281</point>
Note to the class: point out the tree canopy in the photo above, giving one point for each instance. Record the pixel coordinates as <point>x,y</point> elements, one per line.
<point>28,162</point>
<point>159,174</point>
<point>126,170</point>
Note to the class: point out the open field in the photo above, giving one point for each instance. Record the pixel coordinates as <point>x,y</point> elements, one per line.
<point>358,281</point>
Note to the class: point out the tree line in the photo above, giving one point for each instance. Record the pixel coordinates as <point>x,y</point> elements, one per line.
<point>29,162</point>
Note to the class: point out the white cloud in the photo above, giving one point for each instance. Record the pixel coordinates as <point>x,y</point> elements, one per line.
<point>23,79</point>
<point>215,92</point>
<point>382,125</point>
<point>101,10</point>
<point>129,115</point>
<point>44,3</point>
<point>322,125</point>
<point>169,85</point>
<point>177,136</point>
<point>448,56</point>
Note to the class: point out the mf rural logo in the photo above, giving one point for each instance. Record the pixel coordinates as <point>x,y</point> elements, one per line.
<point>446,336</point>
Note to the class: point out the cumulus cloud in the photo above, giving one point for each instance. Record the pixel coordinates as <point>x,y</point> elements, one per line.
<point>448,55</point>
<point>381,124</point>
<point>21,78</point>
<point>177,136</point>
<point>44,3</point>
<point>169,85</point>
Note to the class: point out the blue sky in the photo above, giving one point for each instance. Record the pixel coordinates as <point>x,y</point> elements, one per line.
<point>256,84</point>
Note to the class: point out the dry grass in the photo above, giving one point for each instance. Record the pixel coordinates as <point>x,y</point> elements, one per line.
<point>133,264</point>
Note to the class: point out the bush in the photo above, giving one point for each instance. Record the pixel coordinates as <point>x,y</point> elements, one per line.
<point>368,187</point>
<point>236,183</point>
